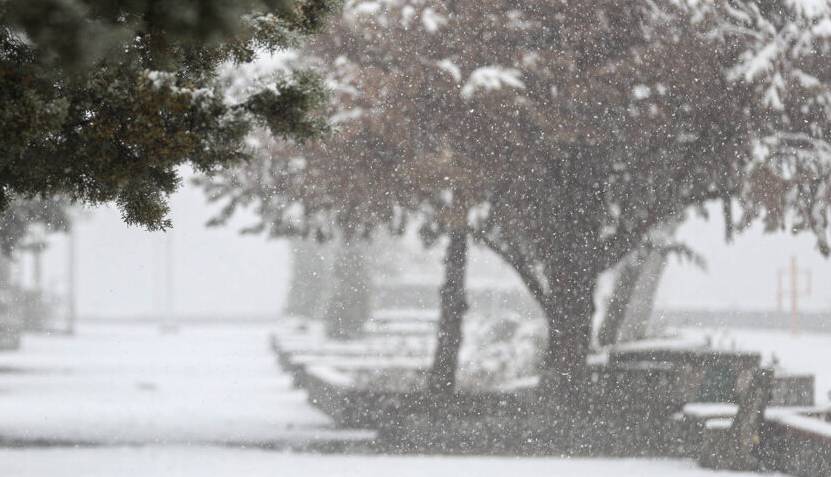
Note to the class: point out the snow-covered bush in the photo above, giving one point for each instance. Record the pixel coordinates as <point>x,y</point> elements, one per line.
<point>500,349</point>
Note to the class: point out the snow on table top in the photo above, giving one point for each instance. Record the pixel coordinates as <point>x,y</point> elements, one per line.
<point>805,423</point>
<point>710,409</point>
<point>364,347</point>
<point>403,327</point>
<point>362,362</point>
<point>405,314</point>
<point>225,462</point>
<point>679,343</point>
<point>719,423</point>
<point>331,375</point>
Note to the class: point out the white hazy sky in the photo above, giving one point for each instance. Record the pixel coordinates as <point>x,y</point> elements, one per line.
<point>219,272</point>
<point>216,271</point>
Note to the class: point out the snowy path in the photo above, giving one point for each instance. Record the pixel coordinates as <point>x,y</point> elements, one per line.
<point>188,404</point>
<point>130,384</point>
<point>223,462</point>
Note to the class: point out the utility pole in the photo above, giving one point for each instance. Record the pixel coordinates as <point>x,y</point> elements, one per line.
<point>71,288</point>
<point>37,245</point>
<point>167,319</point>
<point>37,258</point>
<point>795,289</point>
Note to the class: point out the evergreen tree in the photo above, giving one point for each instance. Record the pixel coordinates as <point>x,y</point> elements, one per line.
<point>348,304</point>
<point>102,101</point>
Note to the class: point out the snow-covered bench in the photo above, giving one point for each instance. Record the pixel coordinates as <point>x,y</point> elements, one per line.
<point>798,443</point>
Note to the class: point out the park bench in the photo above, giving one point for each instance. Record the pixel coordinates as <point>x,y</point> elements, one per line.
<point>635,400</point>
<point>798,443</point>
<point>734,445</point>
<point>619,419</point>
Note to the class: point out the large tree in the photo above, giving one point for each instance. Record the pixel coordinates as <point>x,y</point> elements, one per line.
<point>102,101</point>
<point>561,134</point>
<point>636,112</point>
<point>383,164</point>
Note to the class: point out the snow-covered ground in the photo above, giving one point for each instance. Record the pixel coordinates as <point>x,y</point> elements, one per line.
<point>132,384</point>
<point>195,403</point>
<point>223,462</point>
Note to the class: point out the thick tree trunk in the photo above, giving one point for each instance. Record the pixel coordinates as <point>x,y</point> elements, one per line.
<point>442,376</point>
<point>569,311</point>
<point>307,288</point>
<point>348,307</point>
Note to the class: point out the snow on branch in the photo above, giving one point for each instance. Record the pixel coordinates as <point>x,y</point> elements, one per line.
<point>492,78</point>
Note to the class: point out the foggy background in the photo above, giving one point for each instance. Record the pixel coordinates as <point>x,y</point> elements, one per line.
<point>218,272</point>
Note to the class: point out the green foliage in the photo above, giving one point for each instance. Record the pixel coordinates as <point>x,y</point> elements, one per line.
<point>104,100</point>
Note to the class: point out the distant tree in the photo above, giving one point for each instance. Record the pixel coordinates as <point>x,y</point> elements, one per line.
<point>309,278</point>
<point>331,279</point>
<point>17,219</point>
<point>102,101</point>
<point>17,224</point>
<point>310,190</point>
<point>560,135</point>
<point>348,305</point>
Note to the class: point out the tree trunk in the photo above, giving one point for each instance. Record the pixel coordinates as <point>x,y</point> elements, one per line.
<point>307,287</point>
<point>348,307</point>
<point>624,287</point>
<point>630,306</point>
<point>638,315</point>
<point>442,376</point>
<point>569,311</point>
<point>633,298</point>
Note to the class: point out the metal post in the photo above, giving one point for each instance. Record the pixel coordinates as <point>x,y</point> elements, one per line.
<point>780,290</point>
<point>169,275</point>
<point>71,305</point>
<point>167,318</point>
<point>37,275</point>
<point>794,296</point>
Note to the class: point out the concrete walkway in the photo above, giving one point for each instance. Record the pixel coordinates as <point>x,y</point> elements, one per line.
<point>126,400</point>
<point>131,384</point>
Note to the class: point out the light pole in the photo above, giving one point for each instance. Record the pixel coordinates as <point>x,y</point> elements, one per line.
<point>71,289</point>
<point>795,290</point>
<point>167,322</point>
